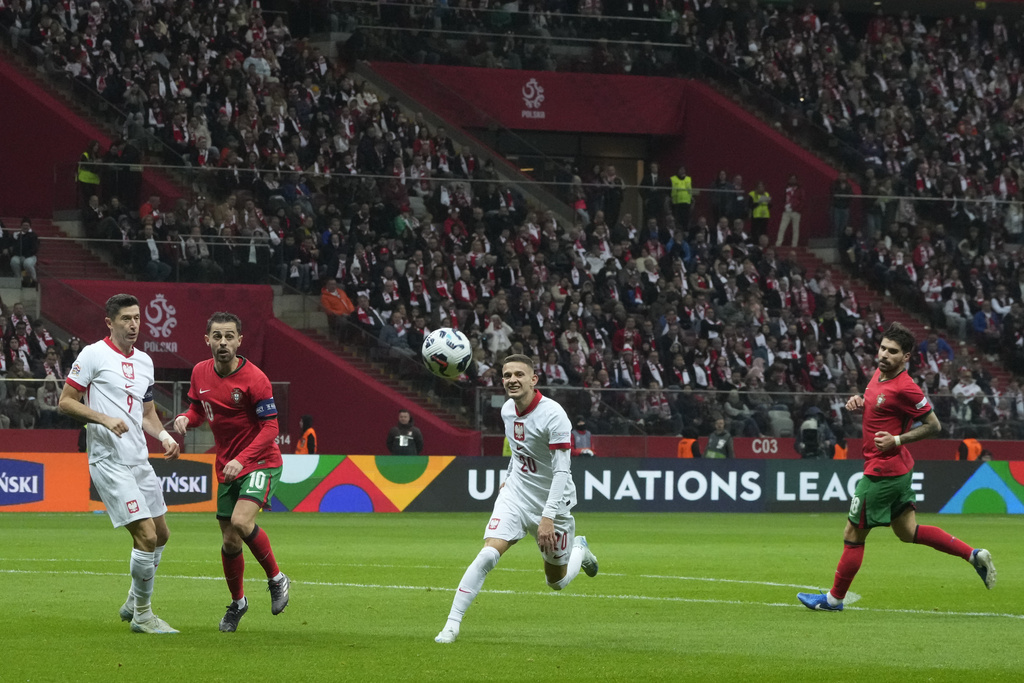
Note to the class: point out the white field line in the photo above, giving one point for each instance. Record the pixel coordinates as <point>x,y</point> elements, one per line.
<point>851,597</point>
<point>443,589</point>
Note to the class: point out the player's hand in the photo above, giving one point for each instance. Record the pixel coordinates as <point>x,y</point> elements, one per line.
<point>855,403</point>
<point>116,425</point>
<point>884,441</point>
<point>181,424</point>
<point>232,470</point>
<point>171,449</point>
<point>546,535</point>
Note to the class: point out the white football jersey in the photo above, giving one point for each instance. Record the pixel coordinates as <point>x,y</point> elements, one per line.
<point>540,443</point>
<point>117,385</point>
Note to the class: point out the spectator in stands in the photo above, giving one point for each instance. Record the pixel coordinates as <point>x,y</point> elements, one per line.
<point>20,408</point>
<point>987,330</point>
<point>24,253</point>
<point>146,257</point>
<point>791,212</point>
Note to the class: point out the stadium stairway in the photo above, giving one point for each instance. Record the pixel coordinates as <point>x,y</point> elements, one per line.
<point>65,258</point>
<point>383,373</point>
<point>811,262</point>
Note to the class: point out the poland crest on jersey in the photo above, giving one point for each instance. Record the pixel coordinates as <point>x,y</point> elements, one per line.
<point>128,370</point>
<point>519,431</point>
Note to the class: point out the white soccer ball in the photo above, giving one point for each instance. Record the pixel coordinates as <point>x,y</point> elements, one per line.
<point>447,353</point>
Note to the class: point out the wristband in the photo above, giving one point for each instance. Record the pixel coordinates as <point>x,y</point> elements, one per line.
<point>897,441</point>
<point>163,436</point>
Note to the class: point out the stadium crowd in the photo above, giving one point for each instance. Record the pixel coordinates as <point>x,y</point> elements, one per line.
<point>658,324</point>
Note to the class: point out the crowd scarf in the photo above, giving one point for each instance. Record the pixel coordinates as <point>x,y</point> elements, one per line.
<point>658,403</point>
<point>638,295</point>
<point>802,299</point>
<point>465,294</point>
<point>554,371</point>
<point>637,371</point>
<point>656,371</point>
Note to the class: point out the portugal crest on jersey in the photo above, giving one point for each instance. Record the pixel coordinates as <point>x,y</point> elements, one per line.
<point>519,431</point>
<point>128,370</point>
<point>236,395</point>
<point>880,401</point>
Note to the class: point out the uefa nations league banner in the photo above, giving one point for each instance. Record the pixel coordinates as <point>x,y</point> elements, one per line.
<point>174,315</point>
<point>59,482</point>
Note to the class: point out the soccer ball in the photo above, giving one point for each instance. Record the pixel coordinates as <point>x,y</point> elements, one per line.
<point>447,353</point>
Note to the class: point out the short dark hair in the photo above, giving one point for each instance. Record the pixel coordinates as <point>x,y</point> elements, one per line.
<point>224,317</point>
<point>517,358</point>
<point>119,301</point>
<point>903,337</point>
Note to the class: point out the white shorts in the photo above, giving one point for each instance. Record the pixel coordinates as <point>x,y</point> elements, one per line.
<point>511,522</point>
<point>130,492</point>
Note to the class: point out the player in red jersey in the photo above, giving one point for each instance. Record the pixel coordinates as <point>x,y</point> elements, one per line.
<point>235,396</point>
<point>892,403</point>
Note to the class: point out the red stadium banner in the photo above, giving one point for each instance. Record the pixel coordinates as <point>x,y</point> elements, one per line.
<point>173,315</point>
<point>542,100</point>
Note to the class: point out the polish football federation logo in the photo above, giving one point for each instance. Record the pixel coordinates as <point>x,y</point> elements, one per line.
<point>533,94</point>
<point>128,370</point>
<point>133,507</point>
<point>495,521</point>
<point>519,431</point>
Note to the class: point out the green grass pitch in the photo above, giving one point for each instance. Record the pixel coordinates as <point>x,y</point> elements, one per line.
<point>680,597</point>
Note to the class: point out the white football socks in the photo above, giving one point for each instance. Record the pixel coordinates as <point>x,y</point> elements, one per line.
<point>143,569</point>
<point>472,582</point>
<point>573,568</point>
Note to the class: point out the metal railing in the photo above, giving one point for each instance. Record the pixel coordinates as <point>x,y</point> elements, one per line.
<point>38,409</point>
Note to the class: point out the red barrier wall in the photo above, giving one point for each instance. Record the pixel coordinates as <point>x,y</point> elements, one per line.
<point>696,125</point>
<point>351,413</point>
<point>40,133</point>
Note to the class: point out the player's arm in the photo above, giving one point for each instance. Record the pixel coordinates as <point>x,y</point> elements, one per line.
<point>560,459</point>
<point>70,404</point>
<point>190,419</point>
<point>266,415</point>
<point>855,403</point>
<point>929,427</point>
<point>151,425</point>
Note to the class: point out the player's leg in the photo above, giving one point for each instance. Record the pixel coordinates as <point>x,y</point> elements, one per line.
<point>127,507</point>
<point>570,554</point>
<point>908,530</point>
<point>470,585</point>
<point>255,491</point>
<point>149,488</point>
<point>859,522</point>
<point>233,562</point>
<point>503,530</point>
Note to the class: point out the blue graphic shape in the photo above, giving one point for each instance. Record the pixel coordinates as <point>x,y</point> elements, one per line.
<point>983,478</point>
<point>277,506</point>
<point>346,498</point>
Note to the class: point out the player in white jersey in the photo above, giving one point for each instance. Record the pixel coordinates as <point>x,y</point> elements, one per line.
<point>116,380</point>
<point>537,497</point>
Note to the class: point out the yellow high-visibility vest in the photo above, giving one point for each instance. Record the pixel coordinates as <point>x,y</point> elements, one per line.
<point>760,210</point>
<point>85,175</point>
<point>681,190</point>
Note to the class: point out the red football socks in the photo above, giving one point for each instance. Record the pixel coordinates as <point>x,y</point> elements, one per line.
<point>234,570</point>
<point>934,537</point>
<point>849,565</point>
<point>259,544</point>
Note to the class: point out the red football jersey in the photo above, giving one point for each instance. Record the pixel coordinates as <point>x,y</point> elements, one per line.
<point>891,406</point>
<point>235,406</point>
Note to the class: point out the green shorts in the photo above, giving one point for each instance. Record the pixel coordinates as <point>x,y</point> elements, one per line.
<point>877,500</point>
<point>257,486</point>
